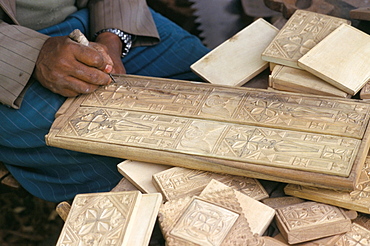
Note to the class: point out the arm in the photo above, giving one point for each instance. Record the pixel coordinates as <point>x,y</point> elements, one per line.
<point>17,44</point>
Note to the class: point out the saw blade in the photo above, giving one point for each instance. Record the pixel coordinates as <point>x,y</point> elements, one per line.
<point>218,20</point>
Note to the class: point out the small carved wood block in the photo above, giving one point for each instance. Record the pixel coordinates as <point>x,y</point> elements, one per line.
<point>140,174</point>
<point>179,182</point>
<point>306,139</point>
<point>204,221</point>
<point>358,199</point>
<point>259,215</point>
<point>358,235</point>
<point>238,59</point>
<point>341,59</point>
<point>301,32</point>
<point>297,80</point>
<point>111,218</point>
<point>310,220</point>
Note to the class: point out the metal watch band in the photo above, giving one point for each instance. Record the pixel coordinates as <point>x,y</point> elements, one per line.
<point>125,38</point>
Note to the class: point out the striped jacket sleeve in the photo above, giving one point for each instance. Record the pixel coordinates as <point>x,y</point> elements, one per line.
<point>19,49</point>
<point>131,16</point>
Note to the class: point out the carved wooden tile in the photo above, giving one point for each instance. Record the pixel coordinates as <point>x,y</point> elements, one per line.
<point>178,182</point>
<point>358,199</point>
<point>220,67</point>
<point>140,174</point>
<point>296,80</point>
<point>358,236</point>
<point>241,131</point>
<point>199,221</point>
<point>303,30</point>
<point>345,52</point>
<point>311,220</point>
<point>259,215</point>
<point>110,218</point>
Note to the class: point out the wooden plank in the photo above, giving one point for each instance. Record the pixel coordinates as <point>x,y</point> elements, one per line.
<point>102,218</point>
<point>238,131</point>
<point>360,13</point>
<point>358,199</point>
<point>178,182</point>
<point>303,30</point>
<point>140,174</point>
<point>341,59</point>
<point>310,220</point>
<point>238,59</point>
<point>365,91</point>
<point>297,80</point>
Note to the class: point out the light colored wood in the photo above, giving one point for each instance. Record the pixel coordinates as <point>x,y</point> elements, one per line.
<point>341,59</point>
<point>125,218</point>
<point>259,215</point>
<point>296,80</point>
<point>279,202</point>
<point>358,199</point>
<point>179,182</point>
<point>310,220</point>
<point>124,185</point>
<point>326,241</point>
<point>63,209</point>
<point>365,91</point>
<point>303,30</point>
<point>140,174</point>
<point>204,221</point>
<point>304,139</point>
<point>358,235</point>
<point>238,59</point>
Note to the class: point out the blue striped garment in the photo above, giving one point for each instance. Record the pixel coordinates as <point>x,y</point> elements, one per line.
<point>56,174</point>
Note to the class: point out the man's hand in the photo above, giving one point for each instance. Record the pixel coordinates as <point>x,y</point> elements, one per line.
<point>114,49</point>
<point>69,68</point>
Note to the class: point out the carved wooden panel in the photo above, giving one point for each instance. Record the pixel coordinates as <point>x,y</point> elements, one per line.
<point>303,30</point>
<point>250,132</point>
<point>258,215</point>
<point>365,91</point>
<point>110,218</point>
<point>179,182</point>
<point>246,47</point>
<point>358,199</point>
<point>199,221</point>
<point>345,52</point>
<point>310,220</point>
<point>297,80</point>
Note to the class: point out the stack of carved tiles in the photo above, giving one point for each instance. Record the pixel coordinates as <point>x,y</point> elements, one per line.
<point>325,56</point>
<point>294,138</point>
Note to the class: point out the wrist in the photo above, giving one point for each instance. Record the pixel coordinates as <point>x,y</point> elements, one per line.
<point>125,38</point>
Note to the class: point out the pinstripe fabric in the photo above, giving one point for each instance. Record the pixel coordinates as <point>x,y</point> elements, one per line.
<point>19,43</point>
<point>56,174</point>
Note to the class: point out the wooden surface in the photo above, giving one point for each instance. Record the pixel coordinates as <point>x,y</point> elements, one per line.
<point>296,80</point>
<point>312,140</point>
<point>310,220</point>
<point>126,218</point>
<point>178,182</point>
<point>140,174</point>
<point>301,32</point>
<point>341,59</point>
<point>365,91</point>
<point>238,59</point>
<point>358,199</point>
<point>258,215</point>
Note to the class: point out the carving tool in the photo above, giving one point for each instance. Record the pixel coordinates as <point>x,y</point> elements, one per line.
<point>79,37</point>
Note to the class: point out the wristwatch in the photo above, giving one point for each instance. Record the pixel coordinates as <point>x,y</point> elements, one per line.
<point>125,38</point>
